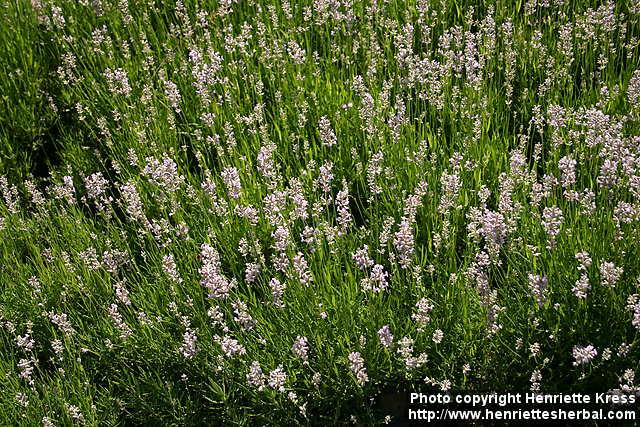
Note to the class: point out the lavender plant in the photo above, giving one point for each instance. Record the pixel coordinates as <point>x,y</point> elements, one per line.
<point>266,212</point>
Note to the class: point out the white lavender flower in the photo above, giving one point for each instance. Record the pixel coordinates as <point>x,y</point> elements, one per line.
<point>231,180</point>
<point>277,379</point>
<point>538,286</point>
<point>327,136</point>
<point>173,95</point>
<point>610,274</point>
<point>212,277</point>
<point>96,186</point>
<point>582,287</point>
<point>552,220</point>
<point>170,269</point>
<point>164,173</point>
<point>301,348</point>
<point>118,81</point>
<point>437,337</point>
<point>422,313</point>
<point>584,260</point>
<point>231,347</point>
<point>242,316</point>
<point>302,269</point>
<point>356,364</point>
<point>189,346</point>
<point>118,321</point>
<point>277,291</point>
<point>362,259</point>
<point>385,336</point>
<point>404,243</point>
<point>255,377</point>
<point>584,355</point>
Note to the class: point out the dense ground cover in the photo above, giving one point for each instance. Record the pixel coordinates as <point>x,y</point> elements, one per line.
<point>271,212</point>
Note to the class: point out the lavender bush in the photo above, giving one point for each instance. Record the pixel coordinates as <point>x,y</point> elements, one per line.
<point>275,212</point>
